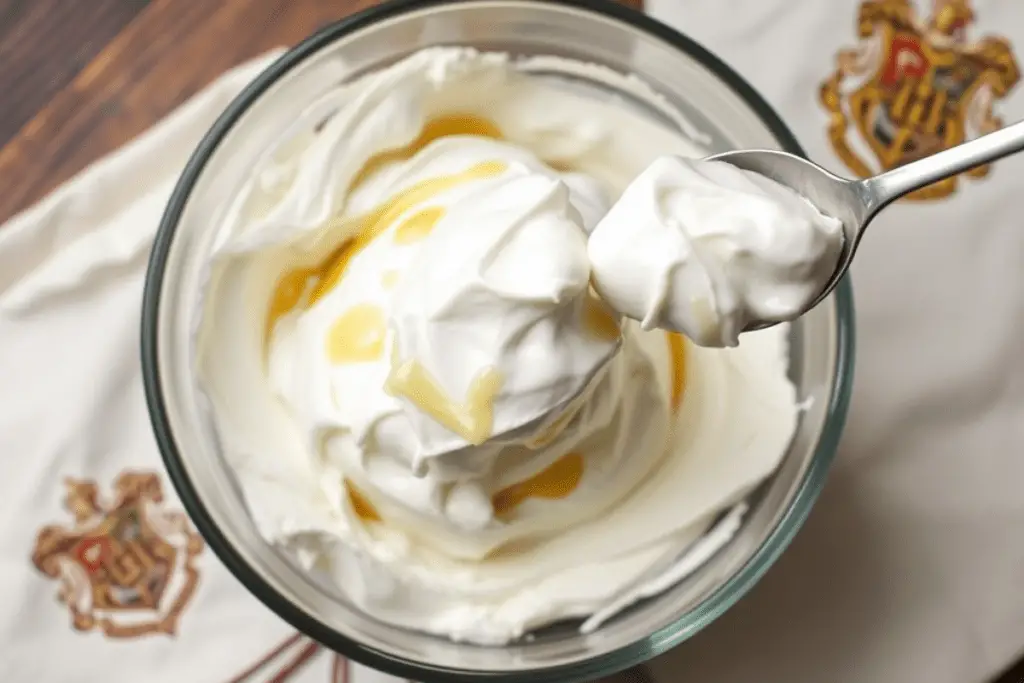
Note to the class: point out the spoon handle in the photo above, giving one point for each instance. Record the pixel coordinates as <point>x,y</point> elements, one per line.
<point>893,184</point>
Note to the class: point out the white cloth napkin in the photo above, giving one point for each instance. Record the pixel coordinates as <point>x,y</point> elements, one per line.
<point>102,577</point>
<point>911,566</point>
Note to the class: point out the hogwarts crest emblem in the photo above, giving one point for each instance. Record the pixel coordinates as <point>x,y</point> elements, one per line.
<point>125,565</point>
<point>913,87</point>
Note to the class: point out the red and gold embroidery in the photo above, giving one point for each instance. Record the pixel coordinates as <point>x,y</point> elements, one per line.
<point>914,87</point>
<point>125,566</point>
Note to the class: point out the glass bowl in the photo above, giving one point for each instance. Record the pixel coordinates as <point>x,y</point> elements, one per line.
<point>689,80</point>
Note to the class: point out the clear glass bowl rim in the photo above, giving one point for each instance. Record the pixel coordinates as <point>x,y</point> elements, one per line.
<point>656,643</point>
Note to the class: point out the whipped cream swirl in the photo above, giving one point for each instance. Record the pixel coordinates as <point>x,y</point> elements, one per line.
<point>398,318</point>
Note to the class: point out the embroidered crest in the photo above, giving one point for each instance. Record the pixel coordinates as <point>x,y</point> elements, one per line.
<point>914,87</point>
<point>125,566</point>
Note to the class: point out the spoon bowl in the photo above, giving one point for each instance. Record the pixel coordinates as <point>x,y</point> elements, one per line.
<point>831,195</point>
<point>857,202</point>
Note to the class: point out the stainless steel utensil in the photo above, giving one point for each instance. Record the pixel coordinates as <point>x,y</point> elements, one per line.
<point>857,202</point>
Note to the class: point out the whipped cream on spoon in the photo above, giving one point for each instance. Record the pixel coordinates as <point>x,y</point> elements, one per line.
<point>712,254</point>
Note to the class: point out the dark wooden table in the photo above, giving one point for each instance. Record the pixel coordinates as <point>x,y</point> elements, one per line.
<point>81,77</point>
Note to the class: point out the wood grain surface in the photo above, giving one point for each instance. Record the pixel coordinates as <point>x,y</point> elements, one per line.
<point>81,77</point>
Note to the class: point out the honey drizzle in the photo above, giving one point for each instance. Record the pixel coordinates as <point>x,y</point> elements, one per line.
<point>289,293</point>
<point>472,420</point>
<point>357,335</point>
<point>419,225</point>
<point>441,127</point>
<point>363,508</point>
<point>599,318</point>
<point>677,351</point>
<point>556,481</point>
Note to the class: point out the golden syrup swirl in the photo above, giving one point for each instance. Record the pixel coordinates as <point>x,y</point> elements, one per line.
<point>441,127</point>
<point>289,294</point>
<point>419,225</point>
<point>293,289</point>
<point>599,319</point>
<point>472,420</point>
<point>556,481</point>
<point>677,351</point>
<point>357,336</point>
<point>360,505</point>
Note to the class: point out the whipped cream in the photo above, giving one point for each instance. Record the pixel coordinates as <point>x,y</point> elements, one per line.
<point>432,369</point>
<point>398,318</point>
<point>705,248</point>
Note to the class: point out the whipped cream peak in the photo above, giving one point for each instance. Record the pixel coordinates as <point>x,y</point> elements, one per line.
<point>706,248</point>
<point>465,290</point>
<point>493,306</point>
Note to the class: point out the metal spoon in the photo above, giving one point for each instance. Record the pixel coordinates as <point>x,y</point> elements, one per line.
<point>856,202</point>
